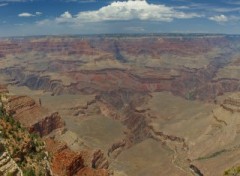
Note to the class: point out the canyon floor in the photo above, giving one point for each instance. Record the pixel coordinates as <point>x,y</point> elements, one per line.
<point>152,105</point>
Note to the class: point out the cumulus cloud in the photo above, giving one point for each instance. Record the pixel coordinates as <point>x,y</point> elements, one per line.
<point>26,14</point>
<point>128,10</point>
<point>66,15</point>
<point>65,18</point>
<point>219,18</point>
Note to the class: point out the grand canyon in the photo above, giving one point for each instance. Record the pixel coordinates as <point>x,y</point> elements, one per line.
<point>120,105</point>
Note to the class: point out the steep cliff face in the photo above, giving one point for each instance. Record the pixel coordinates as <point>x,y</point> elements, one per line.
<point>66,162</point>
<point>31,115</point>
<point>38,120</point>
<point>47,125</point>
<point>35,81</point>
<point>21,153</point>
<point>8,165</point>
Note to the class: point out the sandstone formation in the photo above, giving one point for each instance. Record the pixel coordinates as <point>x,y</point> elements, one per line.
<point>22,153</point>
<point>36,119</point>
<point>67,162</point>
<point>8,165</point>
<point>31,115</point>
<point>232,103</point>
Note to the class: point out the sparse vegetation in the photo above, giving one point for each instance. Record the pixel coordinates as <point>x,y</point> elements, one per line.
<point>11,174</point>
<point>29,172</point>
<point>26,149</point>
<point>235,171</point>
<point>212,155</point>
<point>190,95</point>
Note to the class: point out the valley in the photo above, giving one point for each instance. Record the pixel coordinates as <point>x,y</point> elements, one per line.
<point>128,105</point>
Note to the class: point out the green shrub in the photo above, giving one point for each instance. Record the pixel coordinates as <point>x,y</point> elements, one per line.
<point>235,171</point>
<point>10,174</point>
<point>29,172</point>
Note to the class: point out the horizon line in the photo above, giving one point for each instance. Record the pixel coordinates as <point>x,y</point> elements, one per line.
<point>123,34</point>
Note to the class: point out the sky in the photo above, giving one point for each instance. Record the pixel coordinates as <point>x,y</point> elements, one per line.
<point>66,17</point>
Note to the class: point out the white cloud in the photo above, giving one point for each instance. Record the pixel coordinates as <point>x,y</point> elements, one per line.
<point>3,4</point>
<point>26,14</point>
<point>38,13</point>
<point>66,17</point>
<point>226,9</point>
<point>127,10</point>
<point>232,2</point>
<point>219,18</point>
<point>43,22</point>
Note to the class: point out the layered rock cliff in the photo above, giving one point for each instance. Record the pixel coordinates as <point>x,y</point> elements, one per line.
<point>8,165</point>
<point>24,111</point>
<point>146,64</point>
<point>67,162</point>
<point>32,116</point>
<point>22,153</point>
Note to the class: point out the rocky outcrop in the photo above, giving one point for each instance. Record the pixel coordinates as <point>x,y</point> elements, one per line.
<point>196,170</point>
<point>18,104</point>
<point>8,166</point>
<point>232,103</point>
<point>34,81</point>
<point>3,89</point>
<point>47,125</point>
<point>21,149</point>
<point>31,115</point>
<point>99,161</point>
<point>117,148</point>
<point>159,135</point>
<point>67,163</point>
<point>64,161</point>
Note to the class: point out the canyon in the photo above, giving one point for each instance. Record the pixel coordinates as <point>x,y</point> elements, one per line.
<point>127,105</point>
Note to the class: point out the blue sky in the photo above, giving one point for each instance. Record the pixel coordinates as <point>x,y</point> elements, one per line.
<point>54,17</point>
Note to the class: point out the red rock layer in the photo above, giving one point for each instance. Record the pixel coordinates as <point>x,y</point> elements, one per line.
<point>3,89</point>
<point>31,115</point>
<point>68,163</point>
